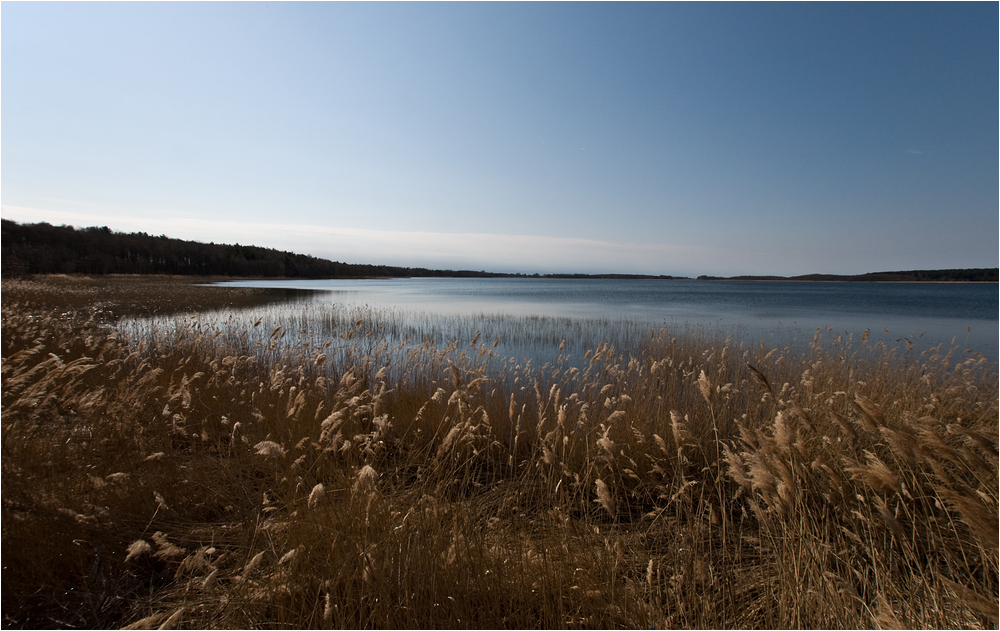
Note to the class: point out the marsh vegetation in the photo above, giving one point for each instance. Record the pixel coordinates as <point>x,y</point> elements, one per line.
<point>243,475</point>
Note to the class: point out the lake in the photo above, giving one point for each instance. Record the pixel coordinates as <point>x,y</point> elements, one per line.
<point>776,313</point>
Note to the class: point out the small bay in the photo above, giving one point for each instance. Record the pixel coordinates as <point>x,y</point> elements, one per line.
<point>914,316</point>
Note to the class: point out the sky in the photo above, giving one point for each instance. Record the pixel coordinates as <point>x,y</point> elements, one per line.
<point>649,138</point>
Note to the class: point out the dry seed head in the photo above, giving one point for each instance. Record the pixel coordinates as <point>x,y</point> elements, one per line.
<point>161,504</point>
<point>253,564</point>
<point>327,608</point>
<point>783,435</point>
<point>761,477</point>
<point>449,439</point>
<point>737,468</point>
<point>288,556</point>
<point>885,617</point>
<point>196,563</point>
<point>347,379</point>
<point>137,548</point>
<point>662,444</point>
<point>210,579</point>
<point>604,497</point>
<point>833,479</point>
<point>679,429</point>
<point>750,437</point>
<point>269,449</point>
<point>875,474</point>
<point>880,471</point>
<point>547,456</point>
<point>332,422</point>
<point>902,443</point>
<point>803,415</point>
<point>608,445</point>
<point>616,416</point>
<point>932,446</point>
<point>316,495</point>
<point>871,415</point>
<point>367,480</point>
<point>167,550</point>
<point>786,482</point>
<point>845,427</point>
<point>705,386</point>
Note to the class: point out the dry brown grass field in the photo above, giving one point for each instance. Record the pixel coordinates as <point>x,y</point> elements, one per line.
<point>197,478</point>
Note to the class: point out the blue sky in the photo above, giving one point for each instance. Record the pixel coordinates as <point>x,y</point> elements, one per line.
<point>656,138</point>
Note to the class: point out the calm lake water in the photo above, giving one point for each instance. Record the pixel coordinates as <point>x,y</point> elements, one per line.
<point>965,315</point>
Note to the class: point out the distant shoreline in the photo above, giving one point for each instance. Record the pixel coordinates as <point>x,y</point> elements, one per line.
<point>30,249</point>
<point>974,275</point>
<point>625,277</point>
<point>847,280</point>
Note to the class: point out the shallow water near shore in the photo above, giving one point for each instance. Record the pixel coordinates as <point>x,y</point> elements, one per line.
<point>911,316</point>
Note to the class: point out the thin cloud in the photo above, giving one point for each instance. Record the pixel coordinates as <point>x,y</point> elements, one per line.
<point>498,252</point>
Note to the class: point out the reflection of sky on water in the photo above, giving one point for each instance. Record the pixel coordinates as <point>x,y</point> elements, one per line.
<point>927,314</point>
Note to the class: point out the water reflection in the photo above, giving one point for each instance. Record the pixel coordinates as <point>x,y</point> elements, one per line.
<point>777,313</point>
<point>559,322</point>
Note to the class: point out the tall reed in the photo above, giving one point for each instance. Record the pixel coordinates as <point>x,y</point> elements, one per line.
<point>243,476</point>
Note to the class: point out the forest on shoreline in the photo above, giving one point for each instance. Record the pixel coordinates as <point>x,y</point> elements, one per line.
<point>42,248</point>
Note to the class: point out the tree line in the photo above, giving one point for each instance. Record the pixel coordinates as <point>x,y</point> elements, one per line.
<point>42,248</point>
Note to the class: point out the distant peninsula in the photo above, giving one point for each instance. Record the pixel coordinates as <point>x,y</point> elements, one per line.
<point>978,275</point>
<point>41,248</point>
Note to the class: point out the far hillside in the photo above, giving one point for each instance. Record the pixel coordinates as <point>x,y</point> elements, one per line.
<point>987,275</point>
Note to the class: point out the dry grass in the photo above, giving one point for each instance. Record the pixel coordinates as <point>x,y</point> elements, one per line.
<point>197,478</point>
<point>116,295</point>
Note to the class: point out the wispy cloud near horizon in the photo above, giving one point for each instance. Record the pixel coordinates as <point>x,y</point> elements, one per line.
<point>486,251</point>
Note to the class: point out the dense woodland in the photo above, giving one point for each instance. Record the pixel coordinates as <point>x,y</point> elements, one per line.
<point>42,248</point>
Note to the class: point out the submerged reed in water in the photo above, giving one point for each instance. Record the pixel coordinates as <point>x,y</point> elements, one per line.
<point>200,476</point>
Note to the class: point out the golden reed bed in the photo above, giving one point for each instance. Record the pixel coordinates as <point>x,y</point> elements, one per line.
<point>197,478</point>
